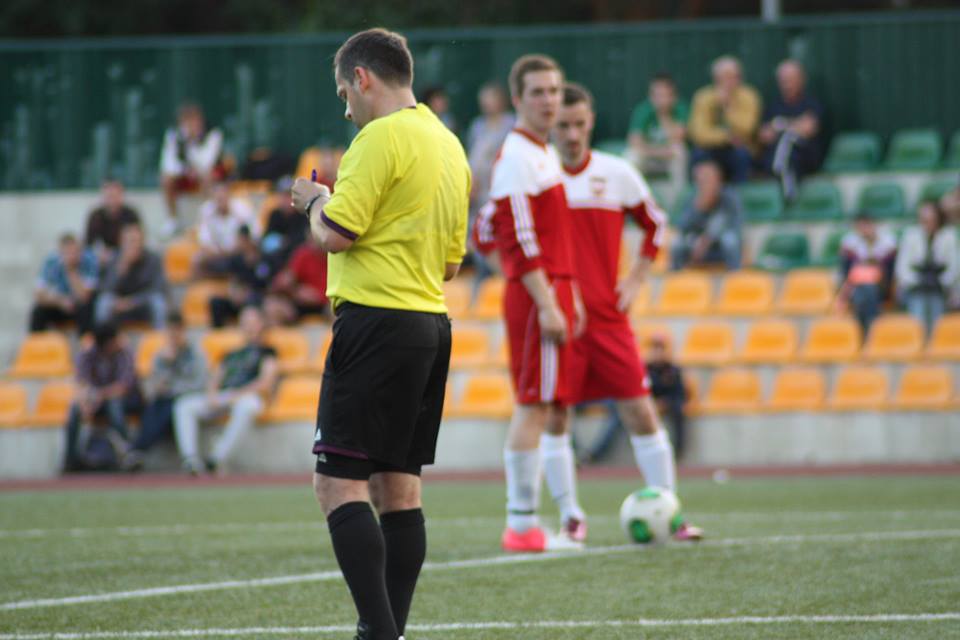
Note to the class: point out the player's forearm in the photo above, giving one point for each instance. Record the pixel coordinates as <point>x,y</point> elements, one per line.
<point>538,286</point>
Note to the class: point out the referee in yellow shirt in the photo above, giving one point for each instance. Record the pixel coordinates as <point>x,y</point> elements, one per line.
<point>396,228</point>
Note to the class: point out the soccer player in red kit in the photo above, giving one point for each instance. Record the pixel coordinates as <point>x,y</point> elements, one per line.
<point>601,191</point>
<point>528,224</point>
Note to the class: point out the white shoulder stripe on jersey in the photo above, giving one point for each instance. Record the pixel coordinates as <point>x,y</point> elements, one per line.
<point>485,222</point>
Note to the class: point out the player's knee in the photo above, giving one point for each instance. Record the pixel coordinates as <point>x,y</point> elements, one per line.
<point>558,422</point>
<point>639,416</point>
<point>395,492</point>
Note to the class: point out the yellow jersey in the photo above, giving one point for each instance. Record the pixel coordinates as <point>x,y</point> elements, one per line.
<point>402,195</point>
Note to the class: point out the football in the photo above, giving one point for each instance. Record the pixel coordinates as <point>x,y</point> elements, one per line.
<point>650,515</point>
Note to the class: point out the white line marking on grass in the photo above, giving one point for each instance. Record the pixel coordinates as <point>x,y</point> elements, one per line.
<point>508,626</point>
<point>245,527</point>
<point>877,536</point>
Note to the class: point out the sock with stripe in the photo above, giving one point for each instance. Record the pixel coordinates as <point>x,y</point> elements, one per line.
<point>523,488</point>
<point>654,456</point>
<point>560,470</point>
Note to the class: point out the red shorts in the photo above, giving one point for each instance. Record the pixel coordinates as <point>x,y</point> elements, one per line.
<point>606,364</point>
<point>539,368</point>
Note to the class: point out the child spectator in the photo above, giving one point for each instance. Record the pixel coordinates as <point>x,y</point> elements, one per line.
<point>710,227</point>
<point>668,390</point>
<point>658,130</point>
<point>134,287</point>
<point>867,256</point>
<point>65,287</point>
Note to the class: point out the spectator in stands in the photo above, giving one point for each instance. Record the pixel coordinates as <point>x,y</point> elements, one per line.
<point>710,227</point>
<point>134,287</point>
<point>658,131</point>
<point>484,139</point>
<point>104,222</point>
<point>668,390</point>
<point>724,120</point>
<point>950,203</point>
<point>178,369</point>
<point>220,220</point>
<point>790,131</point>
<point>249,275</point>
<point>301,288</point>
<point>439,102</point>
<point>867,255</point>
<point>191,159</point>
<point>928,264</point>
<point>66,287</point>
<point>107,388</point>
<point>286,230</point>
<point>238,389</point>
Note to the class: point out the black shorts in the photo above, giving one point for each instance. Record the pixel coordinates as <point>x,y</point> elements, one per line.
<point>383,390</point>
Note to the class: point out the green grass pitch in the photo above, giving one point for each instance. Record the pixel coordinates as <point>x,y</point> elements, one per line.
<point>781,554</point>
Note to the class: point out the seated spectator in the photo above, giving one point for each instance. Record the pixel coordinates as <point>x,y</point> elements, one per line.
<point>867,255</point>
<point>286,229</point>
<point>178,369</point>
<point>790,131</point>
<point>301,288</point>
<point>439,102</point>
<point>191,159</point>
<point>66,287</point>
<point>134,287</point>
<point>928,264</point>
<point>104,222</point>
<point>724,120</point>
<point>107,389</point>
<point>669,391</point>
<point>238,389</point>
<point>220,220</point>
<point>710,227</point>
<point>249,275</point>
<point>950,203</point>
<point>658,130</point>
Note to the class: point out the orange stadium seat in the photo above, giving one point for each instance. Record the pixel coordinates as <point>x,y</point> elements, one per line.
<point>271,202</point>
<point>806,292</point>
<point>797,389</point>
<point>53,405</point>
<point>150,344</point>
<point>319,360</point>
<point>832,339</point>
<point>771,341</point>
<point>196,301</point>
<point>457,295</point>
<point>746,293</point>
<point>641,304</point>
<point>310,159</point>
<point>894,337</point>
<point>13,404</point>
<point>924,388</point>
<point>945,341</point>
<point>708,344</point>
<point>683,294</point>
<point>485,395</point>
<point>501,355</point>
<point>42,355</point>
<point>217,343</point>
<point>470,347</point>
<point>292,346</point>
<point>732,391</point>
<point>296,400</point>
<point>860,388</point>
<point>646,330</point>
<point>489,302</point>
<point>178,260</point>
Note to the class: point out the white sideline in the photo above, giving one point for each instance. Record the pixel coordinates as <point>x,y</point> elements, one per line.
<point>877,536</point>
<point>475,626</point>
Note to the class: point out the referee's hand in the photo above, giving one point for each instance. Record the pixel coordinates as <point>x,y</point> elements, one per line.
<point>304,191</point>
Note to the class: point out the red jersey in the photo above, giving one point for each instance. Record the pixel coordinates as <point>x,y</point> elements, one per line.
<point>309,266</point>
<point>526,220</point>
<point>600,193</point>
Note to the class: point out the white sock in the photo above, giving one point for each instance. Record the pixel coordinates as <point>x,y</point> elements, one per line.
<point>523,488</point>
<point>561,473</point>
<point>654,455</point>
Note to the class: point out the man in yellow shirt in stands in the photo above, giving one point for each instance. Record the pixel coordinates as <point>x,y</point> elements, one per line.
<point>395,227</point>
<point>724,120</point>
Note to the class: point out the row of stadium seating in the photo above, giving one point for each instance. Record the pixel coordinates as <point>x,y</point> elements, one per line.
<point>488,395</point>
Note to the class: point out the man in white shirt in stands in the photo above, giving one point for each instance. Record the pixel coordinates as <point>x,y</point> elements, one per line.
<point>221,218</point>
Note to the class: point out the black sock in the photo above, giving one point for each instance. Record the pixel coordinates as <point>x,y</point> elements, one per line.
<point>405,537</point>
<point>358,544</point>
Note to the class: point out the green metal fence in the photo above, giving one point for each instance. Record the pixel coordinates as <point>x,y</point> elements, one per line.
<point>72,111</point>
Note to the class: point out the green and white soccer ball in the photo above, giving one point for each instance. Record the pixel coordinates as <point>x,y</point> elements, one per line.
<point>650,515</point>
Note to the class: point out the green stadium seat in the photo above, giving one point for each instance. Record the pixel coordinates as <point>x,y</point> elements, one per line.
<point>819,199</point>
<point>952,161</point>
<point>883,200</point>
<point>830,254</point>
<point>616,146</point>
<point>762,201</point>
<point>914,150</point>
<point>853,151</point>
<point>784,251</point>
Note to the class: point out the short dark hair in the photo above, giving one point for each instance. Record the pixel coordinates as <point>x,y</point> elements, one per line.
<point>663,76</point>
<point>574,93</point>
<point>530,63</point>
<point>385,53</point>
<point>175,319</point>
<point>104,333</point>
